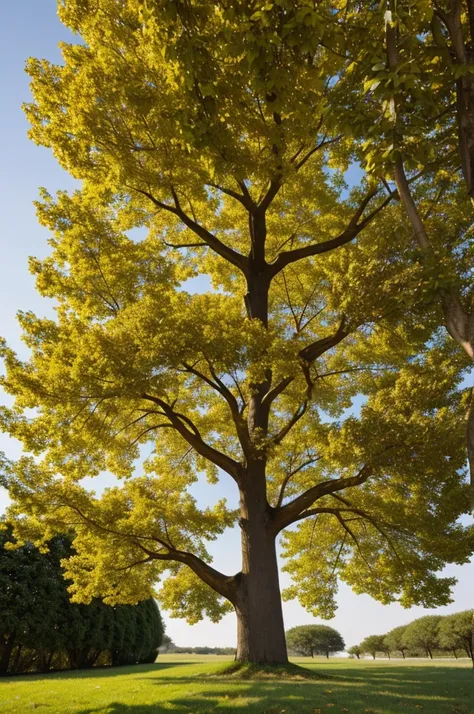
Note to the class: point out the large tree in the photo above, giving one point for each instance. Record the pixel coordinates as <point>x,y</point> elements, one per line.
<point>219,129</point>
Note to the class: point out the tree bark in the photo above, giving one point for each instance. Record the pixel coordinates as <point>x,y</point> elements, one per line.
<point>260,628</point>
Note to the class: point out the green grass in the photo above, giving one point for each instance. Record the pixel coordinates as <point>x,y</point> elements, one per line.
<point>184,685</point>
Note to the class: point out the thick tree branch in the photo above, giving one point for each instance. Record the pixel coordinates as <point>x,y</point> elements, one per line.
<point>311,352</point>
<point>307,356</point>
<point>275,185</point>
<point>459,323</point>
<point>219,386</point>
<point>272,394</point>
<point>182,425</point>
<point>223,584</point>
<point>354,227</point>
<point>244,198</point>
<point>290,513</point>
<point>230,255</point>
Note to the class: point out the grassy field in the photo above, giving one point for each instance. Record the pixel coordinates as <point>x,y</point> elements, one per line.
<point>184,685</point>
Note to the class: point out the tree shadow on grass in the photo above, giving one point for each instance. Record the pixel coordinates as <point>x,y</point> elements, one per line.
<point>97,672</point>
<point>386,689</point>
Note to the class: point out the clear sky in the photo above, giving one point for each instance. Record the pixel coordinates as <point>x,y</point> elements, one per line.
<point>31,28</point>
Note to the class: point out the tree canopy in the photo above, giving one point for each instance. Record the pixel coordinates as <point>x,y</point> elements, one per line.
<point>355,651</point>
<point>423,633</point>
<point>309,640</point>
<point>373,644</point>
<point>394,642</point>
<point>457,632</point>
<point>213,139</point>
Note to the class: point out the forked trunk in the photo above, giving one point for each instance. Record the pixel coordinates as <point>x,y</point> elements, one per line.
<point>260,629</point>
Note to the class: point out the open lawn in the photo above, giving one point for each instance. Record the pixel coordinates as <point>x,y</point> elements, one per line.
<point>184,684</point>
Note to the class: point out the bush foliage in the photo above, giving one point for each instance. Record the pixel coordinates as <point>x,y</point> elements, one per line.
<point>41,629</point>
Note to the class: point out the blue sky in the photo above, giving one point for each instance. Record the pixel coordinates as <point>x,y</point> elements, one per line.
<point>31,28</point>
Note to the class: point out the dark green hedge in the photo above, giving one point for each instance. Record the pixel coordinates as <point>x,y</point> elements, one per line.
<point>41,630</point>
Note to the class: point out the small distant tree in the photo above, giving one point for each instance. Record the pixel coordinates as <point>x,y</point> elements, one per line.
<point>449,640</point>
<point>457,631</point>
<point>309,640</point>
<point>423,634</point>
<point>393,640</point>
<point>355,650</point>
<point>373,644</point>
<point>167,644</point>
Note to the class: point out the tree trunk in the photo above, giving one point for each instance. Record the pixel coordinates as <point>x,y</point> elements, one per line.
<point>403,654</point>
<point>260,628</point>
<point>430,653</point>
<point>5,652</point>
<point>16,661</point>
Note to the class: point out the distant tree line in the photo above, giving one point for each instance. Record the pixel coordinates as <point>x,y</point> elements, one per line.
<point>168,645</point>
<point>311,640</point>
<point>429,636</point>
<point>41,630</point>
